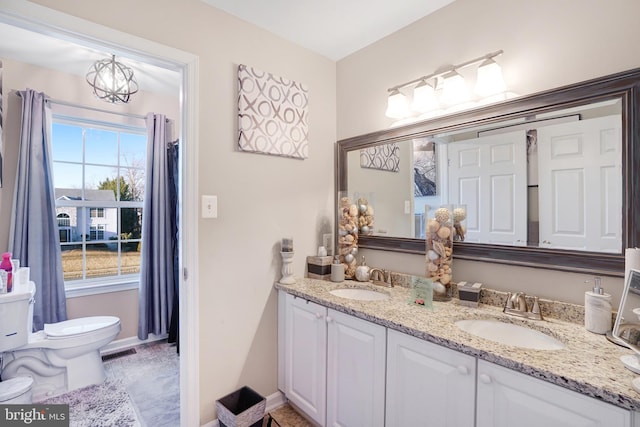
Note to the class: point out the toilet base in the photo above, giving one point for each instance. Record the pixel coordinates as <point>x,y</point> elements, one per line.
<point>53,379</point>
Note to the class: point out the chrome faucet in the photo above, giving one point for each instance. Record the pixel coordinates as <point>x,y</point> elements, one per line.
<point>375,274</point>
<point>516,305</point>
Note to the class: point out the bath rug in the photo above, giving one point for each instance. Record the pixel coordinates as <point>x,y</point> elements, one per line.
<point>104,405</point>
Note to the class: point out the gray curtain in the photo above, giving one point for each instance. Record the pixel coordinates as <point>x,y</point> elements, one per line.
<point>157,264</point>
<point>34,238</point>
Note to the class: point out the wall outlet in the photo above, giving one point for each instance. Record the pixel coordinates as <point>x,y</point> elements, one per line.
<point>407,206</point>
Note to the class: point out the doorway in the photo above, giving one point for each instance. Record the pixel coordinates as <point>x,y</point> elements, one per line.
<point>37,21</point>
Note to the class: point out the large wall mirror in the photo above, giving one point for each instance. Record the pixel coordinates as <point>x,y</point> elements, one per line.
<point>548,180</point>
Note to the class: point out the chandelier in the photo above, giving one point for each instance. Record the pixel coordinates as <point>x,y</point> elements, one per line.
<point>112,81</point>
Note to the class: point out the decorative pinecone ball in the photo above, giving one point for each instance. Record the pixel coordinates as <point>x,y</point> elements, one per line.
<point>442,215</point>
<point>459,214</point>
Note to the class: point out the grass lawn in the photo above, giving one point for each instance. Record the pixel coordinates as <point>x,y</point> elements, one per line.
<point>100,262</point>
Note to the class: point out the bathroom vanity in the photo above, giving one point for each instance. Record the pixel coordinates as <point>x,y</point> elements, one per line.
<point>387,362</point>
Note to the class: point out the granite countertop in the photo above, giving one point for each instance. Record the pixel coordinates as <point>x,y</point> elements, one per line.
<point>589,364</point>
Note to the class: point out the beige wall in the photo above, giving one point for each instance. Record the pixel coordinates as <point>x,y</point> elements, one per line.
<point>546,43</point>
<point>70,88</point>
<point>260,198</point>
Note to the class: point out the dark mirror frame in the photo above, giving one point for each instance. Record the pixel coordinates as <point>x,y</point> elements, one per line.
<point>624,86</point>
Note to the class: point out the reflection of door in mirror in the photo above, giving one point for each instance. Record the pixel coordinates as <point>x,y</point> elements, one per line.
<point>489,175</point>
<point>580,185</point>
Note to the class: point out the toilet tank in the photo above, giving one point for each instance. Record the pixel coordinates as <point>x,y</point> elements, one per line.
<point>14,319</point>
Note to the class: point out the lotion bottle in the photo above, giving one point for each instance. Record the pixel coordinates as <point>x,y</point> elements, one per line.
<point>597,309</point>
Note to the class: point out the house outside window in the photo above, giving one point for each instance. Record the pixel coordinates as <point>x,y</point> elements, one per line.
<point>99,176</point>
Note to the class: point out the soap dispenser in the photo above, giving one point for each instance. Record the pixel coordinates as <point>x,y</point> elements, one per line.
<point>337,270</point>
<point>363,273</point>
<point>597,309</point>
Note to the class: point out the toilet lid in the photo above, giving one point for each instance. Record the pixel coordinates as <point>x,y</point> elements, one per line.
<point>14,387</point>
<point>78,326</point>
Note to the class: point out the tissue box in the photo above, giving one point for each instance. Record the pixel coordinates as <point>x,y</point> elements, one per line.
<point>319,267</point>
<point>469,294</point>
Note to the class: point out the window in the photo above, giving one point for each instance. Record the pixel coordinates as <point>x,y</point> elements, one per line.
<point>99,178</point>
<point>96,212</point>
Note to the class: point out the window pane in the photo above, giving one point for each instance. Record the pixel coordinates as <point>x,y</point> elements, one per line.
<point>102,260</point>
<point>103,178</point>
<point>133,149</point>
<point>101,147</point>
<point>72,262</point>
<point>130,259</point>
<point>135,180</point>
<point>67,175</point>
<point>131,223</point>
<point>68,143</point>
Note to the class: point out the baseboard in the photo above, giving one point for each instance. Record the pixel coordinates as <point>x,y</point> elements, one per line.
<point>274,401</point>
<point>127,343</point>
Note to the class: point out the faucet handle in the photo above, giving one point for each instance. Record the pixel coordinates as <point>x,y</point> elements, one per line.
<point>387,277</point>
<point>508,304</point>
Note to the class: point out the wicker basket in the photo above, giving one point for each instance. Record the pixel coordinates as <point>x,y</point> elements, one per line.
<point>242,408</point>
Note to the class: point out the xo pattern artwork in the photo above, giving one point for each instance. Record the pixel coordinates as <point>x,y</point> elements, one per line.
<point>383,157</point>
<point>272,114</point>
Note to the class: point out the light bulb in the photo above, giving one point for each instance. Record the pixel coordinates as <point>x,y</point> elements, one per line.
<point>424,98</point>
<point>455,89</point>
<point>397,105</point>
<point>489,81</point>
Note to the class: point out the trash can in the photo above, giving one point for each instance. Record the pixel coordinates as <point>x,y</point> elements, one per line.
<point>242,408</point>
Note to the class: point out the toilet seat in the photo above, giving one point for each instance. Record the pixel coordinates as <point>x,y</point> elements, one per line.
<point>14,387</point>
<point>78,327</point>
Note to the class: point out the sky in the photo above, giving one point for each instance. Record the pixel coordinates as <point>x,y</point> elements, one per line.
<point>101,151</point>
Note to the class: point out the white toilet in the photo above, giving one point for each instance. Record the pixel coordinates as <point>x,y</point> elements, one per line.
<point>65,356</point>
<point>14,334</point>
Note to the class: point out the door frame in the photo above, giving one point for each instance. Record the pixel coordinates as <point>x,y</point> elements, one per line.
<point>53,23</point>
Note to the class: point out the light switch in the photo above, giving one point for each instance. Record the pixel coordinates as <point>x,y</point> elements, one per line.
<point>209,206</point>
<point>407,206</point>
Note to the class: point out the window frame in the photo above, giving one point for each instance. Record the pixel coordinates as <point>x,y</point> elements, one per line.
<point>85,285</point>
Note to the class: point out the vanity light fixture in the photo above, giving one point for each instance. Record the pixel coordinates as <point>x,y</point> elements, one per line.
<point>112,81</point>
<point>449,89</point>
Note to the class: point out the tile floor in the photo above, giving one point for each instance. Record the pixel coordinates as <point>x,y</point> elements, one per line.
<point>151,377</point>
<point>286,416</point>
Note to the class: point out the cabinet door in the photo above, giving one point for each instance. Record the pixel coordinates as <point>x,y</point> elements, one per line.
<point>427,384</point>
<point>355,372</point>
<point>507,398</point>
<point>306,356</point>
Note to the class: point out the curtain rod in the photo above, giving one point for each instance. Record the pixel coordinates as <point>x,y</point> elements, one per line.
<point>100,110</point>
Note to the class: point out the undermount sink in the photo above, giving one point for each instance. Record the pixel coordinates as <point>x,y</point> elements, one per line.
<point>510,334</point>
<point>359,294</point>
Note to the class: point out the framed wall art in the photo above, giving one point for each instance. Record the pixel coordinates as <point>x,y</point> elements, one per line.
<point>272,114</point>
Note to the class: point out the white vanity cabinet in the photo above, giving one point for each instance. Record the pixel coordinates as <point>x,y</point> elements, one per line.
<point>356,354</point>
<point>428,384</point>
<point>304,346</point>
<point>343,371</point>
<point>333,364</point>
<point>507,398</point>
